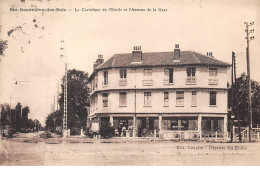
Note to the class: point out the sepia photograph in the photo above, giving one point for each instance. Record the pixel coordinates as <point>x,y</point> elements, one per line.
<point>129,83</point>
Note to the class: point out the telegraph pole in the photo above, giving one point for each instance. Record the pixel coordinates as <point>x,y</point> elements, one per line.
<point>232,99</point>
<point>235,98</point>
<point>65,112</point>
<point>248,38</point>
<point>65,118</point>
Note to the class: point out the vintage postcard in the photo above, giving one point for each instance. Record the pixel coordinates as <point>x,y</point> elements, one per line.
<point>129,83</point>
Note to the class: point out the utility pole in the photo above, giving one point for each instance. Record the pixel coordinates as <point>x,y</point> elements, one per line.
<point>65,127</point>
<point>235,98</point>
<point>232,99</point>
<point>248,75</point>
<point>65,112</point>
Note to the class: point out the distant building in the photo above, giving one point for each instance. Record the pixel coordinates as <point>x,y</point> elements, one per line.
<point>178,91</point>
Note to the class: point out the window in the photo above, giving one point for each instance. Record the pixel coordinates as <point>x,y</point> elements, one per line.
<point>147,99</point>
<point>179,97</point>
<point>96,102</point>
<point>166,98</point>
<point>105,99</point>
<point>213,72</point>
<point>105,78</point>
<point>212,124</point>
<point>96,81</point>
<point>174,124</point>
<point>193,98</point>
<point>122,73</point>
<point>180,123</point>
<point>191,71</point>
<point>169,73</point>
<point>148,72</point>
<point>184,124</point>
<point>122,99</point>
<point>213,98</point>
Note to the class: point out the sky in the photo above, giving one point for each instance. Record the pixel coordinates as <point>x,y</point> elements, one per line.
<point>33,53</point>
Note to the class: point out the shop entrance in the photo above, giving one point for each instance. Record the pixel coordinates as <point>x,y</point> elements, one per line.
<point>146,126</point>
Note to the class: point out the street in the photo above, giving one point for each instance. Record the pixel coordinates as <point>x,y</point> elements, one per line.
<point>26,150</point>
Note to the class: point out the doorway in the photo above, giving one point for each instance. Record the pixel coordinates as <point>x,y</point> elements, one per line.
<point>146,126</point>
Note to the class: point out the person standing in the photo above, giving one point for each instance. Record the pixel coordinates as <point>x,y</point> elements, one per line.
<point>139,131</point>
<point>119,130</point>
<point>124,131</point>
<point>130,129</point>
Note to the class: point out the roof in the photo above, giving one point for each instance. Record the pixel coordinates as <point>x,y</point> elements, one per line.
<point>161,59</point>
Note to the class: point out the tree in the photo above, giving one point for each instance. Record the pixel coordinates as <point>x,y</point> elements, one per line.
<point>241,98</point>
<point>5,115</point>
<point>3,45</point>
<point>24,119</point>
<point>53,121</point>
<point>77,104</point>
<point>18,118</point>
<point>31,124</point>
<point>77,99</point>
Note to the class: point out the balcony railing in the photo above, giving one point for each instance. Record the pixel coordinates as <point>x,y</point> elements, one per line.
<point>213,81</point>
<point>122,82</point>
<point>191,80</point>
<point>147,82</point>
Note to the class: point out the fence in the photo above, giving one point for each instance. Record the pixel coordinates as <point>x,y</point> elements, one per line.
<point>193,135</point>
<point>179,135</point>
<point>244,132</point>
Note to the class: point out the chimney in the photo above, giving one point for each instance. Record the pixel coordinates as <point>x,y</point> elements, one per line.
<point>177,53</point>
<point>210,54</point>
<point>137,54</point>
<point>100,60</point>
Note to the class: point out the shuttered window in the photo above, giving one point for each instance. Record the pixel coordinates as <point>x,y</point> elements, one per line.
<point>122,99</point>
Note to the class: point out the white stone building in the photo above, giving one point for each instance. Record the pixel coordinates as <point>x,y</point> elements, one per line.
<point>166,92</point>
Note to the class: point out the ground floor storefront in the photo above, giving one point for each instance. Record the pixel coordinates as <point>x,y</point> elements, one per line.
<point>179,126</point>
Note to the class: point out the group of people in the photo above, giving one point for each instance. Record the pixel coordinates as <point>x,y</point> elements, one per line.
<point>122,129</point>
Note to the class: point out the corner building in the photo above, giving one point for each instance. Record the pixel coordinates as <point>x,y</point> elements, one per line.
<point>178,93</point>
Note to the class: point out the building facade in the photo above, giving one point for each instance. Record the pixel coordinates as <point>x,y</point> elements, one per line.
<point>163,93</point>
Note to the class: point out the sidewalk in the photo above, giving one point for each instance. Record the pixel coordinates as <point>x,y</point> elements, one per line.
<point>58,139</point>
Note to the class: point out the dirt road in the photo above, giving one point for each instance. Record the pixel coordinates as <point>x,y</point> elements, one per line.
<point>145,152</point>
